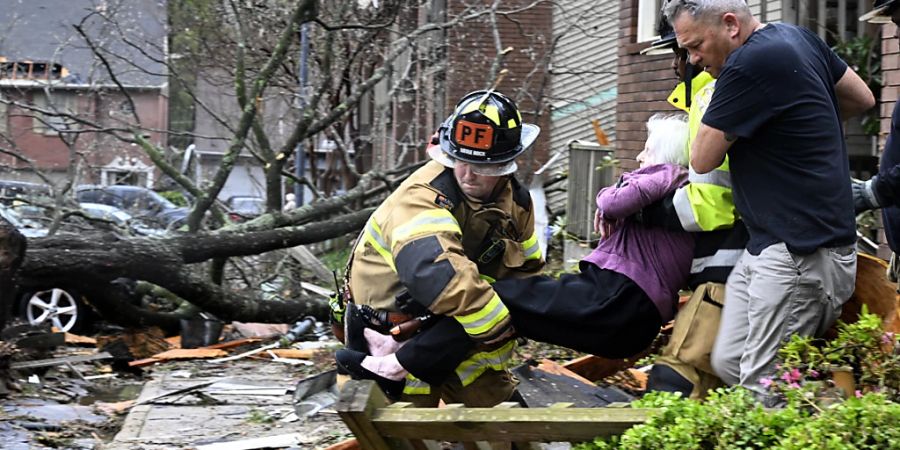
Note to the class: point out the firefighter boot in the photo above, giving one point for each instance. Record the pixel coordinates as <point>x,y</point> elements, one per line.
<point>664,378</point>
<point>350,362</point>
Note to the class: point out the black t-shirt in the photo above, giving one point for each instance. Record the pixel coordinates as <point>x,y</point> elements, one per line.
<point>889,175</point>
<point>789,165</point>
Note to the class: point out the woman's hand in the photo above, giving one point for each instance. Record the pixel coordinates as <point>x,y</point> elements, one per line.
<point>602,226</point>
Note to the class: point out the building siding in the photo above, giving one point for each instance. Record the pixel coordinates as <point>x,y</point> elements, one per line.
<point>644,82</point>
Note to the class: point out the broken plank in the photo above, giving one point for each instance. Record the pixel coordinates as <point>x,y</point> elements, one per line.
<point>349,444</point>
<point>58,361</point>
<point>235,343</point>
<point>183,390</point>
<point>295,353</point>
<point>189,353</point>
<point>178,353</point>
<point>552,367</point>
<point>247,353</point>
<point>78,339</point>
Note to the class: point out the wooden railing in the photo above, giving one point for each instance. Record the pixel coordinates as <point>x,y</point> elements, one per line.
<point>380,425</point>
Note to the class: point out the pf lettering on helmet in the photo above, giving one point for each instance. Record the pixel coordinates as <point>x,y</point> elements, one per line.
<point>486,131</point>
<point>474,135</point>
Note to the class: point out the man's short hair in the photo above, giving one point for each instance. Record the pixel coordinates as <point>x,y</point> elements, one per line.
<point>667,136</point>
<point>704,9</point>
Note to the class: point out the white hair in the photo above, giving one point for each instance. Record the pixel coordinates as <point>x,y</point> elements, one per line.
<point>667,137</point>
<point>704,9</point>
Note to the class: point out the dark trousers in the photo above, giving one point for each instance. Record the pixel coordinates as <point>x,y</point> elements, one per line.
<point>597,311</point>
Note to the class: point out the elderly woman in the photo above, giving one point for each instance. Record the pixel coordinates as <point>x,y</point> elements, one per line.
<point>626,289</point>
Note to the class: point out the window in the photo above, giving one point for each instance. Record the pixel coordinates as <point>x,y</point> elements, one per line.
<point>58,105</point>
<point>648,16</point>
<point>833,20</point>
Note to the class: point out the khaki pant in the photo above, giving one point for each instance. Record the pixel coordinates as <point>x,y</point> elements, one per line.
<point>772,296</point>
<point>689,348</point>
<point>490,389</point>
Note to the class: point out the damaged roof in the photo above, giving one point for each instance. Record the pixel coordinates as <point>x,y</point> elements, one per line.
<point>131,36</point>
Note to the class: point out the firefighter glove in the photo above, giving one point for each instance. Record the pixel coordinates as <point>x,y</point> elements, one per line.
<point>864,196</point>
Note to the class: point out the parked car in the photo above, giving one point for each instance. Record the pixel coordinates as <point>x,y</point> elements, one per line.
<point>244,207</point>
<point>138,201</point>
<point>120,218</point>
<point>63,308</point>
<point>28,227</point>
<point>10,191</point>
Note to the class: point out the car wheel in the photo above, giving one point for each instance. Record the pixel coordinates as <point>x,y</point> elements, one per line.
<point>62,309</point>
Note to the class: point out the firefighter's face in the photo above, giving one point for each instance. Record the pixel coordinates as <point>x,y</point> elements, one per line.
<point>479,187</point>
<point>679,62</point>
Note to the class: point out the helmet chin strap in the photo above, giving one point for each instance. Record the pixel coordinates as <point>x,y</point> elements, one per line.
<point>689,75</point>
<point>690,72</point>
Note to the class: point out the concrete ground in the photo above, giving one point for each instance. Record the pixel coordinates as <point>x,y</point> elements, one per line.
<point>244,399</point>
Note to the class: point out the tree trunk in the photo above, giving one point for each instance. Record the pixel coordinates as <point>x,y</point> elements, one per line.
<point>12,252</point>
<point>89,263</point>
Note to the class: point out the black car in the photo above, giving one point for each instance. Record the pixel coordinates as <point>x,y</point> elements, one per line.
<point>138,201</point>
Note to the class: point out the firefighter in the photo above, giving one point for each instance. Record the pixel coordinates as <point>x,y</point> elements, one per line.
<point>704,206</point>
<point>431,249</point>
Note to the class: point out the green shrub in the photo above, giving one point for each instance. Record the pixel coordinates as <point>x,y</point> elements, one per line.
<point>733,419</point>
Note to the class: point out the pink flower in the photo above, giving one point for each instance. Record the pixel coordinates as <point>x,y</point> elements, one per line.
<point>794,385</point>
<point>887,337</point>
<point>766,382</point>
<point>814,373</point>
<point>791,376</point>
<point>858,393</point>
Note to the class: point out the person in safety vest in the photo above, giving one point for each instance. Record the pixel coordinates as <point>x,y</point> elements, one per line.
<point>883,189</point>
<point>431,251</point>
<point>626,290</point>
<point>704,206</point>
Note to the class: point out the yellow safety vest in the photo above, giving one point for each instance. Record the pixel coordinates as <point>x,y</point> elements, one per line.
<point>706,202</point>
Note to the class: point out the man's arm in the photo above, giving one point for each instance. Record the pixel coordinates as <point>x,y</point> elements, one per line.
<point>853,95</point>
<point>709,148</point>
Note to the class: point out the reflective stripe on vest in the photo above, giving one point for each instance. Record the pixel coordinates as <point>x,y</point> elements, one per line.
<point>426,222</point>
<point>718,177</point>
<point>469,370</point>
<point>415,386</point>
<point>722,258</point>
<point>532,247</point>
<point>706,203</point>
<point>372,235</point>
<point>484,319</point>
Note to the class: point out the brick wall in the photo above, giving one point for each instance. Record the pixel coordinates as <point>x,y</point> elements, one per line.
<point>644,84</point>
<point>890,66</point>
<point>471,52</point>
<point>50,154</point>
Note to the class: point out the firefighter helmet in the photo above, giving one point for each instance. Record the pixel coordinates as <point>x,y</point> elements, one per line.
<point>880,13</point>
<point>485,130</point>
<point>666,42</point>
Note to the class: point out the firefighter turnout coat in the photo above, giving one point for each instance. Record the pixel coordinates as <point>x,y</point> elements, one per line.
<point>443,248</point>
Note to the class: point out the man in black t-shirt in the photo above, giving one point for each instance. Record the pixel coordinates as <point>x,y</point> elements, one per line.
<point>776,112</point>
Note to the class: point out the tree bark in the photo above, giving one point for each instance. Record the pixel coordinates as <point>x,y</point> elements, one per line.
<point>89,263</point>
<point>12,252</point>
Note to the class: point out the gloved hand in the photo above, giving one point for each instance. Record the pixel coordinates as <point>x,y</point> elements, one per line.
<point>864,197</point>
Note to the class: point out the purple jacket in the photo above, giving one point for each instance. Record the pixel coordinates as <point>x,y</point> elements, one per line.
<point>657,260</point>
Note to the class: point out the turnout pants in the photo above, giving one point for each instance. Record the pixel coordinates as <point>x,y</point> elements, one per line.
<point>689,348</point>
<point>597,311</point>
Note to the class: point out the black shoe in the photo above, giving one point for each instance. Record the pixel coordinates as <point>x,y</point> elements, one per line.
<point>666,379</point>
<point>350,362</point>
